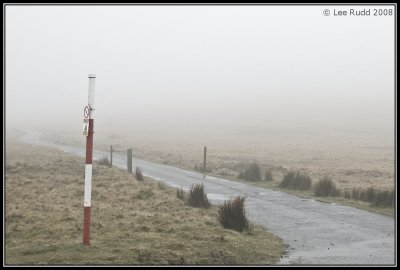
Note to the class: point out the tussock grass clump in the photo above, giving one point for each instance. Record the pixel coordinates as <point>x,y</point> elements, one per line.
<point>252,173</point>
<point>180,194</point>
<point>197,197</point>
<point>326,187</point>
<point>139,174</point>
<point>161,185</point>
<point>104,161</point>
<point>145,194</point>
<point>296,180</point>
<point>268,175</point>
<point>365,195</point>
<point>232,214</point>
<point>384,198</point>
<point>381,198</point>
<point>347,194</point>
<point>355,193</point>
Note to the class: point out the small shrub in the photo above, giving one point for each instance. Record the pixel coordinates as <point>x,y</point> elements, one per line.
<point>104,161</point>
<point>232,214</point>
<point>252,173</point>
<point>197,197</point>
<point>268,176</point>
<point>296,180</point>
<point>180,193</point>
<point>139,174</point>
<point>326,187</point>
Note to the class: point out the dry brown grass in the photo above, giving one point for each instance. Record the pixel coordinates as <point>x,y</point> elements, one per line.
<point>132,222</point>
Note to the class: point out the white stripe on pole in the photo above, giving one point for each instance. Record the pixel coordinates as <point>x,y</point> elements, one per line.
<point>92,79</point>
<point>88,185</point>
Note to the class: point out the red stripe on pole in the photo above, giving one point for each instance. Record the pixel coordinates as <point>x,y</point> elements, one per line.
<point>86,226</point>
<point>89,143</point>
<point>86,210</point>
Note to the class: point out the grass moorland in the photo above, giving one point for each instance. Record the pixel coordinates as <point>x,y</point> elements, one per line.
<point>351,160</point>
<point>133,222</point>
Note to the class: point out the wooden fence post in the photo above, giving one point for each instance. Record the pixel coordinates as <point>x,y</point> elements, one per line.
<point>111,151</point>
<point>204,162</point>
<point>129,160</point>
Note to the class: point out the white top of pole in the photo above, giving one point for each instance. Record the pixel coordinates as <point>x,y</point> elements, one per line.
<point>92,78</point>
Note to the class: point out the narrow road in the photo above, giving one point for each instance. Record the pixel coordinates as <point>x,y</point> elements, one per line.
<point>313,232</point>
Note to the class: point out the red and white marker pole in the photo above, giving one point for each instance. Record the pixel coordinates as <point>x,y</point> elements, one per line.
<point>88,166</point>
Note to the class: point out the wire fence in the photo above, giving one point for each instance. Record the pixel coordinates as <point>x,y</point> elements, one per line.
<point>122,154</point>
<point>123,159</point>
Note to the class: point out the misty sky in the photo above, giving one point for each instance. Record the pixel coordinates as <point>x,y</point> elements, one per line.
<point>199,66</point>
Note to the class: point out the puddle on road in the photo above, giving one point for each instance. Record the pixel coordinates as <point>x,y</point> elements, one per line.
<point>210,196</point>
<point>218,197</point>
<point>169,183</point>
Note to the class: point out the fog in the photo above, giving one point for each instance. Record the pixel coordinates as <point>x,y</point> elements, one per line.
<point>199,67</point>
